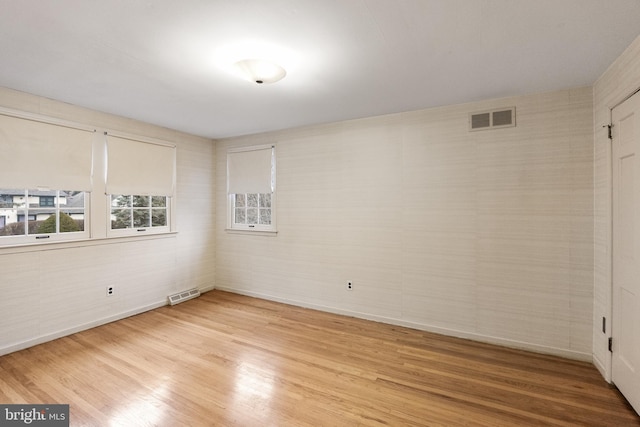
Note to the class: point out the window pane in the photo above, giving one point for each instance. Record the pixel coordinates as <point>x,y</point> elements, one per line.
<point>12,228</point>
<point>120,201</point>
<point>265,200</point>
<point>32,225</point>
<point>137,211</point>
<point>71,204</point>
<point>141,218</point>
<point>158,217</point>
<point>252,200</point>
<point>120,218</point>
<point>265,216</point>
<point>6,200</point>
<point>252,215</point>
<point>240,201</point>
<point>31,212</point>
<point>70,225</point>
<point>47,201</point>
<point>159,201</point>
<point>140,201</point>
<point>45,222</point>
<point>10,224</point>
<point>240,216</point>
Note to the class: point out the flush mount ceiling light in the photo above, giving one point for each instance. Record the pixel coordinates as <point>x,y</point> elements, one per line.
<point>260,71</point>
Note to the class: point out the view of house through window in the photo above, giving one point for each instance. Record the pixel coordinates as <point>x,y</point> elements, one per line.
<point>132,211</point>
<point>30,212</point>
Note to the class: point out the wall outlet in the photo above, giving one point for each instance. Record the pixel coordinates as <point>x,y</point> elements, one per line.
<point>349,286</point>
<point>110,291</point>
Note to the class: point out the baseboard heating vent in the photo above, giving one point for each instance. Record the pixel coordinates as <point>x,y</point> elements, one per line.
<point>183,296</point>
<point>493,119</point>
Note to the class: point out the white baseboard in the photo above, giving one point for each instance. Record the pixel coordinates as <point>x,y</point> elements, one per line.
<point>63,333</point>
<point>569,354</point>
<point>208,288</point>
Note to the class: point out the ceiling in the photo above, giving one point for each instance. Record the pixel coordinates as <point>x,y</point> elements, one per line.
<point>165,61</point>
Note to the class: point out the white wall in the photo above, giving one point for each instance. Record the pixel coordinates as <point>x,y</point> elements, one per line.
<point>619,81</point>
<point>52,290</point>
<point>486,235</point>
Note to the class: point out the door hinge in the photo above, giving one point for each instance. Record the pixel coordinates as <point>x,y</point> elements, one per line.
<point>611,344</point>
<point>609,135</point>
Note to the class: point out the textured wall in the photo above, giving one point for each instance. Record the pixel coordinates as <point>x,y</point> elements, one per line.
<point>52,290</point>
<point>487,235</point>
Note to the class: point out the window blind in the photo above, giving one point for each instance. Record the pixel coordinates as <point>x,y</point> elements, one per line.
<point>139,167</point>
<point>37,154</point>
<point>250,171</point>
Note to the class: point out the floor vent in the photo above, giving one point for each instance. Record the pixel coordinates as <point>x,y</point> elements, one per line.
<point>493,119</point>
<point>183,296</point>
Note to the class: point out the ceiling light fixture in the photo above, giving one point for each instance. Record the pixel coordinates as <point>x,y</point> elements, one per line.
<point>260,71</point>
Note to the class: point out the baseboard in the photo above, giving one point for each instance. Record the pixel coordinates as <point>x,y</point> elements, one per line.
<point>206,288</point>
<point>63,333</point>
<point>521,345</point>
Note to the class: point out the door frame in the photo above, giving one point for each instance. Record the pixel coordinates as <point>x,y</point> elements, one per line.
<point>608,373</point>
<point>610,309</point>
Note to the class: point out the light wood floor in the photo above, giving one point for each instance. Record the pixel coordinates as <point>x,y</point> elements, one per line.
<point>226,359</point>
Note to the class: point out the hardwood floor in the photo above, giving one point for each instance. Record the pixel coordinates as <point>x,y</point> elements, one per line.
<point>225,359</point>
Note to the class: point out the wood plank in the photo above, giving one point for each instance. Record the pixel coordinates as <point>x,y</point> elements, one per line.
<point>227,359</point>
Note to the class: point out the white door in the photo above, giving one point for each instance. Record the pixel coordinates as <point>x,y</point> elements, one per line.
<point>626,250</point>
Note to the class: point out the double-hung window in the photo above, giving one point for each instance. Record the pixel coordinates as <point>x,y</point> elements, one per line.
<point>140,185</point>
<point>251,188</point>
<point>45,179</point>
<point>136,211</point>
<point>26,216</point>
<point>47,182</point>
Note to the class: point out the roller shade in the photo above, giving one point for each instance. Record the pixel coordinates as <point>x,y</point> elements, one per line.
<point>38,154</point>
<point>140,167</point>
<point>250,171</point>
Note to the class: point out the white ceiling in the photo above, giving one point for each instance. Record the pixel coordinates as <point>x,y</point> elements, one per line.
<point>162,61</point>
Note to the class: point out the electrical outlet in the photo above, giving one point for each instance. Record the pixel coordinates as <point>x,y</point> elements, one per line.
<point>349,286</point>
<point>110,291</point>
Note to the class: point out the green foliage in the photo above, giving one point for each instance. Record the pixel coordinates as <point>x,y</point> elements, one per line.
<point>67,224</point>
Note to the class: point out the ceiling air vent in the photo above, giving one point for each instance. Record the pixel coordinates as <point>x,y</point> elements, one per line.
<point>493,119</point>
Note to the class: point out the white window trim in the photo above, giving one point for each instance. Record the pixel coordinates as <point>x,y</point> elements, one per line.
<point>139,231</point>
<point>271,229</point>
<point>254,228</point>
<point>44,238</point>
<point>171,199</point>
<point>97,217</point>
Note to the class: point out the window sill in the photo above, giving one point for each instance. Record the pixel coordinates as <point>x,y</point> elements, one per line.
<point>80,243</point>
<point>252,232</point>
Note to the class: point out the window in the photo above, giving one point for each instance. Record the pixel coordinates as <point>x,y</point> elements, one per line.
<point>139,212</point>
<point>45,158</point>
<point>140,185</point>
<point>25,218</point>
<point>251,188</point>
<point>47,201</point>
<point>252,209</point>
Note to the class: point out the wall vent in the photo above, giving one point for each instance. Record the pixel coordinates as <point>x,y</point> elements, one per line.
<point>492,119</point>
<point>183,296</point>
